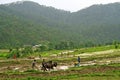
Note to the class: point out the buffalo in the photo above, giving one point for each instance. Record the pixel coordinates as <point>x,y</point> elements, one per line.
<point>48,65</point>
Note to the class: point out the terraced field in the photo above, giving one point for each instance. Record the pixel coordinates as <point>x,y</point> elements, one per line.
<point>100,65</point>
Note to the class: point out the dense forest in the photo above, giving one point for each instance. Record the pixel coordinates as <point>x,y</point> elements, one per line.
<point>28,23</point>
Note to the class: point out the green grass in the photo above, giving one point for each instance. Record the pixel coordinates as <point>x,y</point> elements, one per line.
<point>74,77</point>
<point>95,49</point>
<point>109,75</point>
<point>4,54</point>
<point>44,53</point>
<point>77,51</point>
<point>74,73</point>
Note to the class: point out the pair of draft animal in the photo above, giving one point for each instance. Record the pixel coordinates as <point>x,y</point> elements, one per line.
<point>45,65</point>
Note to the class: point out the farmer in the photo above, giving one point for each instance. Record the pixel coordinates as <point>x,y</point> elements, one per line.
<point>43,62</point>
<point>34,64</point>
<point>14,56</point>
<point>44,65</point>
<point>78,60</point>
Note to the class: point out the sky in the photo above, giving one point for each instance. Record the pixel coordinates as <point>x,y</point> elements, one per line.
<point>68,5</point>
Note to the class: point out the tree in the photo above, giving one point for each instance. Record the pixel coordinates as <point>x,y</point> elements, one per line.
<point>65,45</point>
<point>27,50</point>
<point>115,43</point>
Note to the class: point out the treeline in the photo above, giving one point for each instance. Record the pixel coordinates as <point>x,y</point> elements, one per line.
<point>63,45</point>
<point>29,49</point>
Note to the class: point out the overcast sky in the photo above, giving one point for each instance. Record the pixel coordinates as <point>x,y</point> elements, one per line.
<point>69,5</point>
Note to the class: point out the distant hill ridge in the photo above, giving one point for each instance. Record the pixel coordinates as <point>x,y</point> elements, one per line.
<point>30,23</point>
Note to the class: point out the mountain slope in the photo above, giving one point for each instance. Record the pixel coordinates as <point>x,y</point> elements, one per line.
<point>39,13</point>
<point>30,23</point>
<point>99,22</point>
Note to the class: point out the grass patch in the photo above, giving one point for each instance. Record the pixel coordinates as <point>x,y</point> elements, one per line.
<point>74,73</point>
<point>3,54</point>
<point>94,49</point>
<point>32,71</point>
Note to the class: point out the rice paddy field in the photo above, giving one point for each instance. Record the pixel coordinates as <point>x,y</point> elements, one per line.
<point>97,63</point>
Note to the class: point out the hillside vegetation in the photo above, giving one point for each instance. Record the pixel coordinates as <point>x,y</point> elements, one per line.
<point>29,23</point>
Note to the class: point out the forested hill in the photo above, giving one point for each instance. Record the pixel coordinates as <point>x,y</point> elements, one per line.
<point>26,23</point>
<point>98,22</point>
